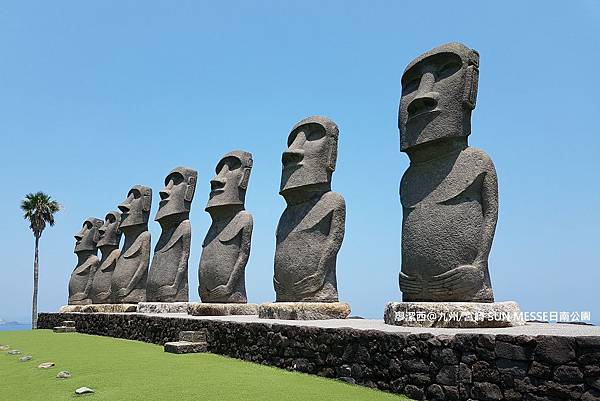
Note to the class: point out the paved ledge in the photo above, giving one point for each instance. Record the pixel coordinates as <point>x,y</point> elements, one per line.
<point>529,329</point>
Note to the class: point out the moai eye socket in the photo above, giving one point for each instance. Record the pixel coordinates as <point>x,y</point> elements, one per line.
<point>448,69</point>
<point>410,84</point>
<point>314,133</point>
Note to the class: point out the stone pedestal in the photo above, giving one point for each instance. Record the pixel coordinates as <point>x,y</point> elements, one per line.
<point>99,308</point>
<point>304,310</point>
<point>221,309</point>
<point>454,314</point>
<point>162,307</point>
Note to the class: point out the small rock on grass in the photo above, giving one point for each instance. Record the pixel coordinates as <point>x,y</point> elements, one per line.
<point>14,352</point>
<point>84,390</point>
<point>25,358</point>
<point>63,374</point>
<point>46,365</point>
<point>4,347</point>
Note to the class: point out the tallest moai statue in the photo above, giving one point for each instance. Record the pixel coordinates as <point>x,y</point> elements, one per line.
<point>449,193</point>
<point>449,196</point>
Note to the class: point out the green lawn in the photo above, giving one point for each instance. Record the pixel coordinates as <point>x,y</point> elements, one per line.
<point>130,370</point>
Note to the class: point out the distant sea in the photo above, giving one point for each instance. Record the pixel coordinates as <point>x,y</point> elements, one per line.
<point>11,326</point>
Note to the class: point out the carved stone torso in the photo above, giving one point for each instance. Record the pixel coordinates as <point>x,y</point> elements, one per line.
<point>442,227</point>
<point>80,282</point>
<point>171,255</point>
<point>100,292</point>
<point>304,246</point>
<point>132,265</point>
<point>225,249</point>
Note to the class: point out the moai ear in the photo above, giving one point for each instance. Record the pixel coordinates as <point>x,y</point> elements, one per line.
<point>471,85</point>
<point>332,156</point>
<point>245,178</point>
<point>96,235</point>
<point>146,199</point>
<point>191,188</point>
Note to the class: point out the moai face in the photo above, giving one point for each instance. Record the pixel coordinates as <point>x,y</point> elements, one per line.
<point>439,90</point>
<point>311,154</point>
<point>136,207</point>
<point>228,186</point>
<point>109,232</point>
<point>177,195</point>
<point>87,238</point>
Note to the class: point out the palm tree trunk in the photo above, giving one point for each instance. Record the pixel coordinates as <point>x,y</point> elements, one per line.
<point>35,284</point>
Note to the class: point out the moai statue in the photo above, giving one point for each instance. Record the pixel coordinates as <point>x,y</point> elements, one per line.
<point>128,284</point>
<point>311,229</point>
<point>168,277</point>
<point>449,193</point>
<point>87,262</point>
<point>110,237</point>
<point>226,248</point>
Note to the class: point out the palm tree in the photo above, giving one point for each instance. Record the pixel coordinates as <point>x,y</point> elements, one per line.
<point>38,208</point>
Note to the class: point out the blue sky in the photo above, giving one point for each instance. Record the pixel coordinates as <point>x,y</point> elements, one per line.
<point>98,96</point>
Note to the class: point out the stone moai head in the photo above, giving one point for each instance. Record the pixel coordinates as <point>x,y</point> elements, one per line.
<point>311,154</point>
<point>439,90</point>
<point>87,238</point>
<point>176,197</point>
<point>135,208</point>
<point>229,185</point>
<point>109,232</point>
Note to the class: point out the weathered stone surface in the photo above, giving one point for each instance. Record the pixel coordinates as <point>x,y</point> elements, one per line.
<point>129,278</point>
<point>4,347</point>
<point>63,374</point>
<point>311,229</point>
<point>453,314</point>
<point>108,243</point>
<point>555,350</point>
<point>68,323</point>
<point>304,310</point>
<point>162,307</point>
<point>215,309</point>
<point>87,262</point>
<point>226,247</point>
<point>568,374</point>
<point>449,193</point>
<point>46,365</point>
<point>84,390</point>
<point>110,308</point>
<point>185,347</point>
<point>168,276</point>
<point>71,308</point>
<point>14,352</point>
<point>25,358</point>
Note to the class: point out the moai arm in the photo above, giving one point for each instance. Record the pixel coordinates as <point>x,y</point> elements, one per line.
<point>92,271</point>
<point>489,205</point>
<point>186,238</point>
<point>240,265</point>
<point>333,244</point>
<point>143,261</point>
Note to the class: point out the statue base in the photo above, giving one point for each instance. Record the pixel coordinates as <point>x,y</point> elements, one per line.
<point>466,315</point>
<point>304,310</point>
<point>162,307</point>
<point>221,309</point>
<point>99,308</point>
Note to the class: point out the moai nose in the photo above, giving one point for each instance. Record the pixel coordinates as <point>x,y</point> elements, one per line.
<point>425,99</point>
<point>164,194</point>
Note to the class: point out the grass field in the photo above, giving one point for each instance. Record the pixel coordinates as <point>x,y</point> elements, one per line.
<point>130,370</point>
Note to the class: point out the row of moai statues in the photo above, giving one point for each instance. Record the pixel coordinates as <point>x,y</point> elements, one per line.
<point>449,198</point>
<point>309,234</point>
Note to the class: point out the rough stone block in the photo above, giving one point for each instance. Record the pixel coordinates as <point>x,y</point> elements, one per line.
<point>69,323</point>
<point>64,329</point>
<point>453,314</point>
<point>185,347</point>
<point>162,307</point>
<point>221,309</point>
<point>304,310</point>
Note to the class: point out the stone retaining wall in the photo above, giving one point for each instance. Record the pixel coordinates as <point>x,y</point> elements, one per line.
<point>475,367</point>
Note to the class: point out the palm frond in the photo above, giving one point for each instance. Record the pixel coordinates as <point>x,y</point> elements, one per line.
<point>39,209</point>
